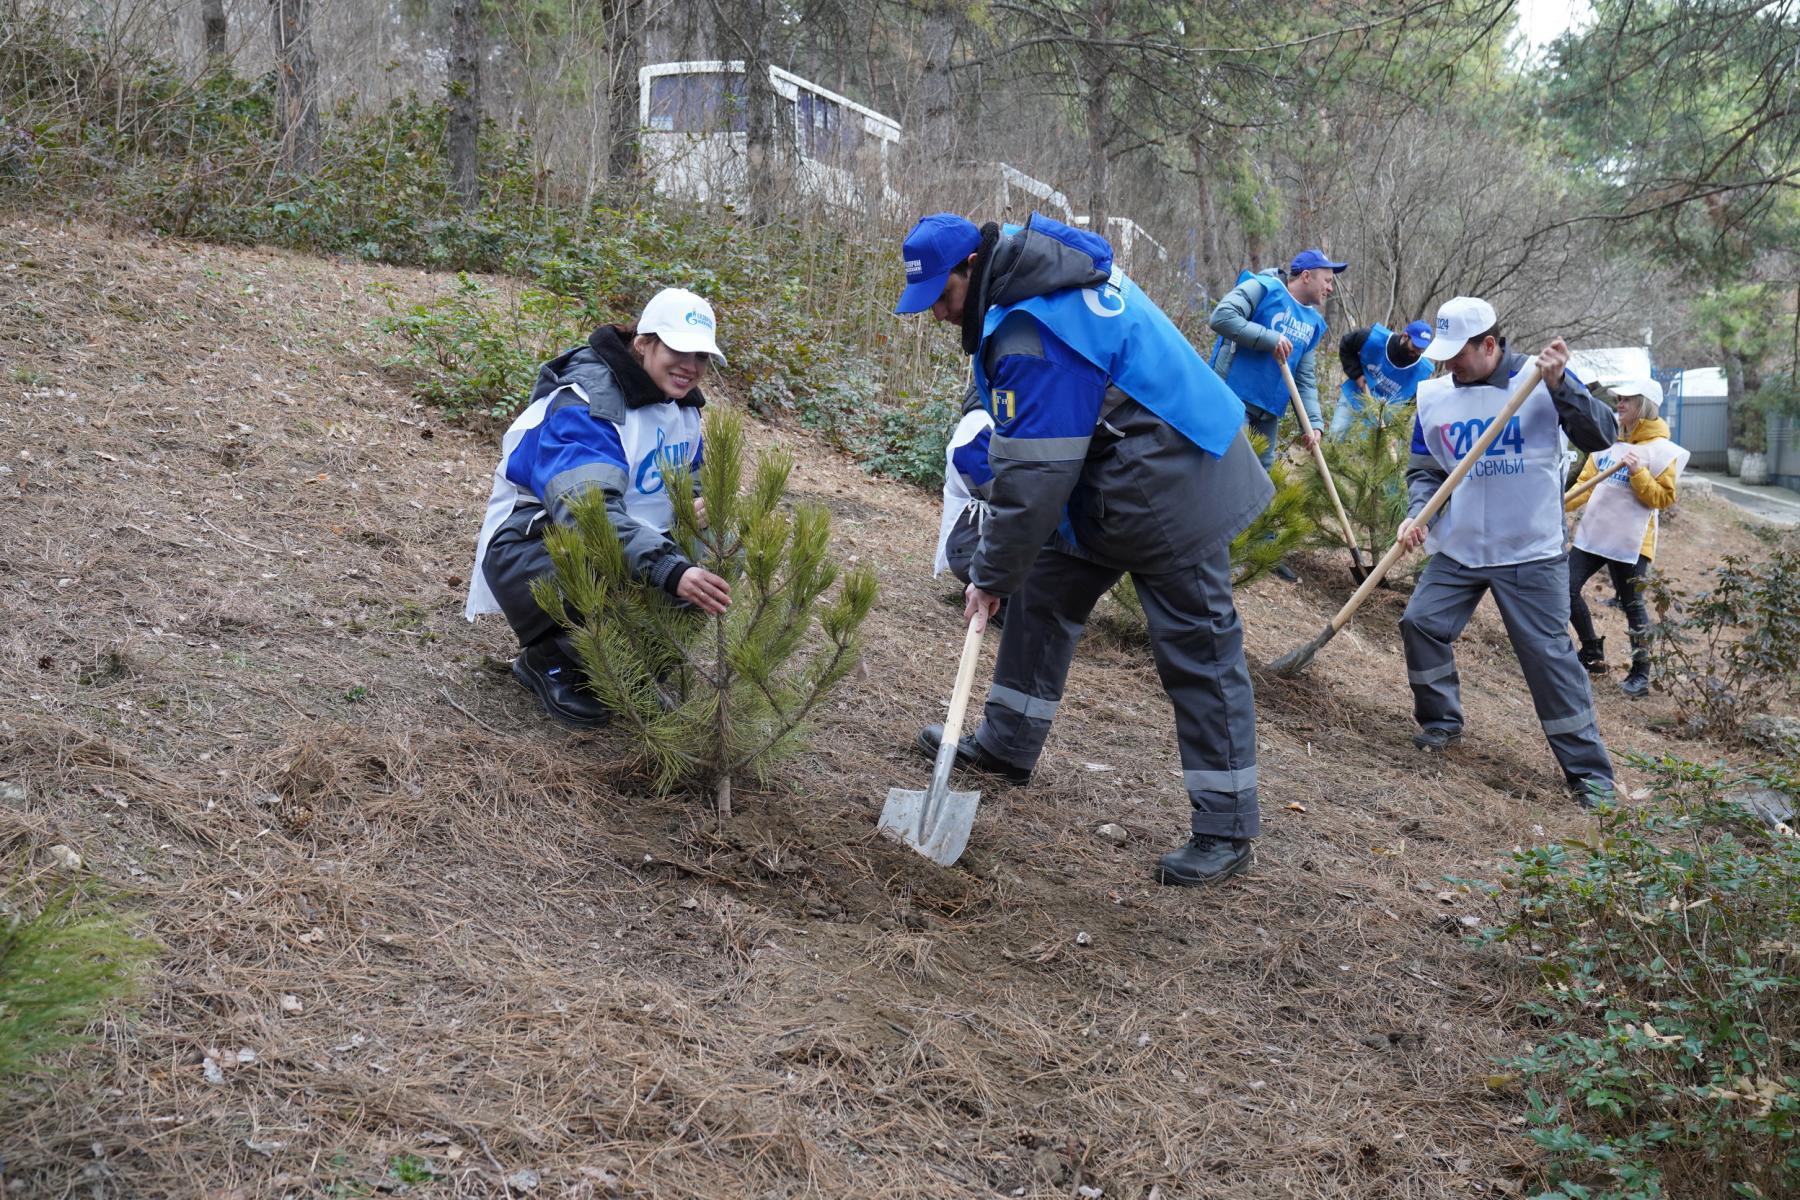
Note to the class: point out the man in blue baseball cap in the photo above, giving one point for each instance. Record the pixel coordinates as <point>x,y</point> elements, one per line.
<point>1382,364</point>
<point>1263,322</point>
<point>938,245</point>
<point>1114,449</point>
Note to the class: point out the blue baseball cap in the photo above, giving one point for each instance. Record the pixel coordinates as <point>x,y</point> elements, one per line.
<point>1310,260</point>
<point>1418,333</point>
<point>932,250</point>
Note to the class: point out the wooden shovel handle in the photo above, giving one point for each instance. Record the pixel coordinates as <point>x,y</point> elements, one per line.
<point>1318,454</point>
<point>965,681</point>
<point>1532,377</point>
<point>1582,489</point>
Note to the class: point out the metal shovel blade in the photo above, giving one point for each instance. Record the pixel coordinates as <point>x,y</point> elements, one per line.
<point>939,831</point>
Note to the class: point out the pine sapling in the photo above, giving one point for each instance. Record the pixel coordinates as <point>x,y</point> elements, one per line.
<point>63,958</point>
<point>706,698</point>
<point>1277,530</point>
<point>1368,464</point>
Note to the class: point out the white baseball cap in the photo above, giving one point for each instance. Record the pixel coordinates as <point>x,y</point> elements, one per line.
<point>1458,320</point>
<point>1649,389</point>
<point>683,321</point>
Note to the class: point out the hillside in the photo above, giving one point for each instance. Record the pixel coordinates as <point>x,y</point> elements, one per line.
<point>420,939</point>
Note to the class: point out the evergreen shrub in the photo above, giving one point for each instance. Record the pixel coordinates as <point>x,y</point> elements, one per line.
<point>1665,955</point>
<point>65,955</point>
<point>708,699</point>
<point>1732,650</point>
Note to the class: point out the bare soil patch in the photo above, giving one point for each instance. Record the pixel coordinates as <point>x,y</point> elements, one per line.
<point>419,929</point>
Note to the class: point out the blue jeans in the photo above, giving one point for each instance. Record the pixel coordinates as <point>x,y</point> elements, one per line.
<point>1266,425</point>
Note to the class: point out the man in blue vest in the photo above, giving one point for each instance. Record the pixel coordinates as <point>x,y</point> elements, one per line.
<point>1115,449</point>
<point>1383,364</point>
<point>1262,323</point>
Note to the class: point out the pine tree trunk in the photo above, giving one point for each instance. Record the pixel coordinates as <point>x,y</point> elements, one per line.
<point>930,144</point>
<point>212,28</point>
<point>761,134</point>
<point>722,799</point>
<point>296,87</point>
<point>627,38</point>
<point>462,130</point>
<point>722,787</point>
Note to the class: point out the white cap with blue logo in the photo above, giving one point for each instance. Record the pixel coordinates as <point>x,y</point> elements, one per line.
<point>683,321</point>
<point>1458,320</point>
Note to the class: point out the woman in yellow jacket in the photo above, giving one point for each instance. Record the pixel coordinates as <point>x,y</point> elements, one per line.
<point>1618,528</point>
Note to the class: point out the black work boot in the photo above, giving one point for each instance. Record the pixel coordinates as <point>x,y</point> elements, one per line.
<point>1637,683</point>
<point>1592,655</point>
<point>1435,739</point>
<point>1203,861</point>
<point>970,756</point>
<point>556,680</point>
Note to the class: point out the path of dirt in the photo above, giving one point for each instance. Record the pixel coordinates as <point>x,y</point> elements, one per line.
<point>419,929</point>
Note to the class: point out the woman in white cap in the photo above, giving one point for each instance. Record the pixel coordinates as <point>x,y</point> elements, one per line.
<point>611,414</point>
<point>1618,526</point>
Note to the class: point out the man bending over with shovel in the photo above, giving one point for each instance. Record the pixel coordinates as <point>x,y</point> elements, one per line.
<point>1502,531</point>
<point>1115,448</point>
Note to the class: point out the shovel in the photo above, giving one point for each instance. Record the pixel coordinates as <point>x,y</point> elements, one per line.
<point>936,821</point>
<point>1357,570</point>
<point>1296,660</point>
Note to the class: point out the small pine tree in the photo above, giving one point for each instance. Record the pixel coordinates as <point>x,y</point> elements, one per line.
<point>1278,529</point>
<point>708,698</point>
<point>1368,464</point>
<point>62,960</point>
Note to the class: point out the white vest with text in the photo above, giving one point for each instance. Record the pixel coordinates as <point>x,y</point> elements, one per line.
<point>1508,509</point>
<point>1614,522</point>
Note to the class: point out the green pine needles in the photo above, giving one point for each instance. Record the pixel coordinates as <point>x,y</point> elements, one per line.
<point>62,960</point>
<point>1278,529</point>
<point>1368,464</point>
<point>711,698</point>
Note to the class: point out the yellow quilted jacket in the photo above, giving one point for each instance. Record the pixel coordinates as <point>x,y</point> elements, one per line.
<point>1652,491</point>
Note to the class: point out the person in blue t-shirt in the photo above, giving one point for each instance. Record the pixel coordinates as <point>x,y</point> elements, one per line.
<point>1380,363</point>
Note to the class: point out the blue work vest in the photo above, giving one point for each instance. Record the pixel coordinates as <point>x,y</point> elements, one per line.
<point>1122,332</point>
<point>1386,382</point>
<point>1254,375</point>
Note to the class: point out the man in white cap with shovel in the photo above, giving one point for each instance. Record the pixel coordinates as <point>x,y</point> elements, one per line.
<point>1501,532</point>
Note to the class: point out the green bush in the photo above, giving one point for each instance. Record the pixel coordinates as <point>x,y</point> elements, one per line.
<point>1666,957</point>
<point>64,957</point>
<point>1733,650</point>
<point>472,352</point>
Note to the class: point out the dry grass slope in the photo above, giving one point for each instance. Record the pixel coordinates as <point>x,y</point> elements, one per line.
<point>418,929</point>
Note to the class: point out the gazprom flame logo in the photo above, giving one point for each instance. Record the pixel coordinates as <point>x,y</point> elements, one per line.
<point>1104,301</point>
<point>696,317</point>
<point>668,456</point>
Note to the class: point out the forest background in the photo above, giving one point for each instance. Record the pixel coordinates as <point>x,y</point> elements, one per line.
<point>1630,182</point>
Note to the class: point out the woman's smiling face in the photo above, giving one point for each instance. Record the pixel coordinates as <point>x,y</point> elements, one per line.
<point>674,372</point>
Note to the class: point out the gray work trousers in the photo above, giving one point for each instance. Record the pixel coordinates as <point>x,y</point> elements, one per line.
<point>1199,648</point>
<point>1533,599</point>
<point>516,555</point>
